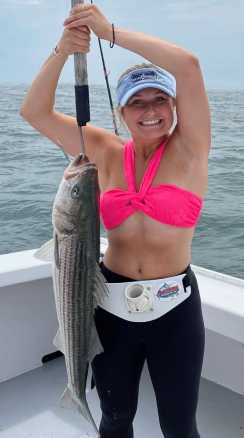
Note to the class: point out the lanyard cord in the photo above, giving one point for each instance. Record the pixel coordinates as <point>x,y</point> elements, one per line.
<point>108,86</point>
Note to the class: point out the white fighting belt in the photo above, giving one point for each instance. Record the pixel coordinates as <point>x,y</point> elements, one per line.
<point>145,300</point>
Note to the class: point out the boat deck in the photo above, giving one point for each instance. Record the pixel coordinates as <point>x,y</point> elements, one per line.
<point>29,408</point>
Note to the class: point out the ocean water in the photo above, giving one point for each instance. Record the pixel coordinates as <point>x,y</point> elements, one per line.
<point>32,167</point>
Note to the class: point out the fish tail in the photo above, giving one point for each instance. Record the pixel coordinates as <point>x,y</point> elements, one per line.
<point>69,401</point>
<point>86,413</point>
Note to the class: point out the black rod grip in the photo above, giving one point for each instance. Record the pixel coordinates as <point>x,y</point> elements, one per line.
<point>82,104</point>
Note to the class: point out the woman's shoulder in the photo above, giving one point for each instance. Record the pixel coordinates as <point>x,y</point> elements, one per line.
<point>112,144</point>
<point>110,149</point>
<point>178,148</point>
<point>99,142</point>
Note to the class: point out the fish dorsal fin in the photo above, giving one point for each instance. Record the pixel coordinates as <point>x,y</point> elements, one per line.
<point>101,290</point>
<point>95,346</point>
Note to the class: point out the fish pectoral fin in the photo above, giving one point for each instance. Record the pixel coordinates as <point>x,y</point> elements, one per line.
<point>101,290</point>
<point>46,251</point>
<point>58,341</point>
<point>56,251</point>
<point>95,346</point>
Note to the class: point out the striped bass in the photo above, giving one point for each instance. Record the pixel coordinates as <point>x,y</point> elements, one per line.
<point>79,285</point>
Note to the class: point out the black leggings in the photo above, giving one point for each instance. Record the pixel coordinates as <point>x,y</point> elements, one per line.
<point>173,346</point>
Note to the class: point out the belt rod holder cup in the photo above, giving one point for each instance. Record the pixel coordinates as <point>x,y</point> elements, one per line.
<point>139,298</point>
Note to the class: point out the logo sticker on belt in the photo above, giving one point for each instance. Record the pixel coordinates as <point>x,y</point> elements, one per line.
<point>168,290</point>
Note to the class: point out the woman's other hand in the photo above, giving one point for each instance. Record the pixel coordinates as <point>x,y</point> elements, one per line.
<point>75,40</point>
<point>89,15</point>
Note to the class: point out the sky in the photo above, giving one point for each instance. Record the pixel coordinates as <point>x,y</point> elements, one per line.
<point>211,29</point>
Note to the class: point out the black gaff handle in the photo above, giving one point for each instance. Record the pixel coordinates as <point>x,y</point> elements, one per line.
<point>81,83</point>
<point>82,104</point>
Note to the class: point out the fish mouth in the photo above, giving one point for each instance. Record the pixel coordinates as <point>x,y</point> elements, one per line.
<point>80,159</point>
<point>79,165</point>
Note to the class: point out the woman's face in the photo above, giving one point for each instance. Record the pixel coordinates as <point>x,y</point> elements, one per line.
<point>149,113</point>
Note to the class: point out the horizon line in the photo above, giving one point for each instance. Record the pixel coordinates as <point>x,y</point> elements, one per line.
<point>28,84</point>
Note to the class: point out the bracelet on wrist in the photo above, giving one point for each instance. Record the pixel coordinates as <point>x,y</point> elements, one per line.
<point>111,44</point>
<point>55,50</point>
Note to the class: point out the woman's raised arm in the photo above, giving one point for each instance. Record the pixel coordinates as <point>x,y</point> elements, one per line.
<point>193,115</point>
<point>38,105</point>
<point>193,118</point>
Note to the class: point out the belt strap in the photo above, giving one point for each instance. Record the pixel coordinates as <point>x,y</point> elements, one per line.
<point>163,294</point>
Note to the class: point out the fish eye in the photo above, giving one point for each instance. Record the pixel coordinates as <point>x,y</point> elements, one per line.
<point>75,192</point>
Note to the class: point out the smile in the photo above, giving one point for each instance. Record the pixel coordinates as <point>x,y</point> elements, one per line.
<point>151,122</point>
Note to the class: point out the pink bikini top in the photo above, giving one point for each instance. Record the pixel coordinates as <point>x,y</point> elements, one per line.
<point>166,203</point>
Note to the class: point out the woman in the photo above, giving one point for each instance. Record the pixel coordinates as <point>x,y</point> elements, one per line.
<point>152,194</point>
